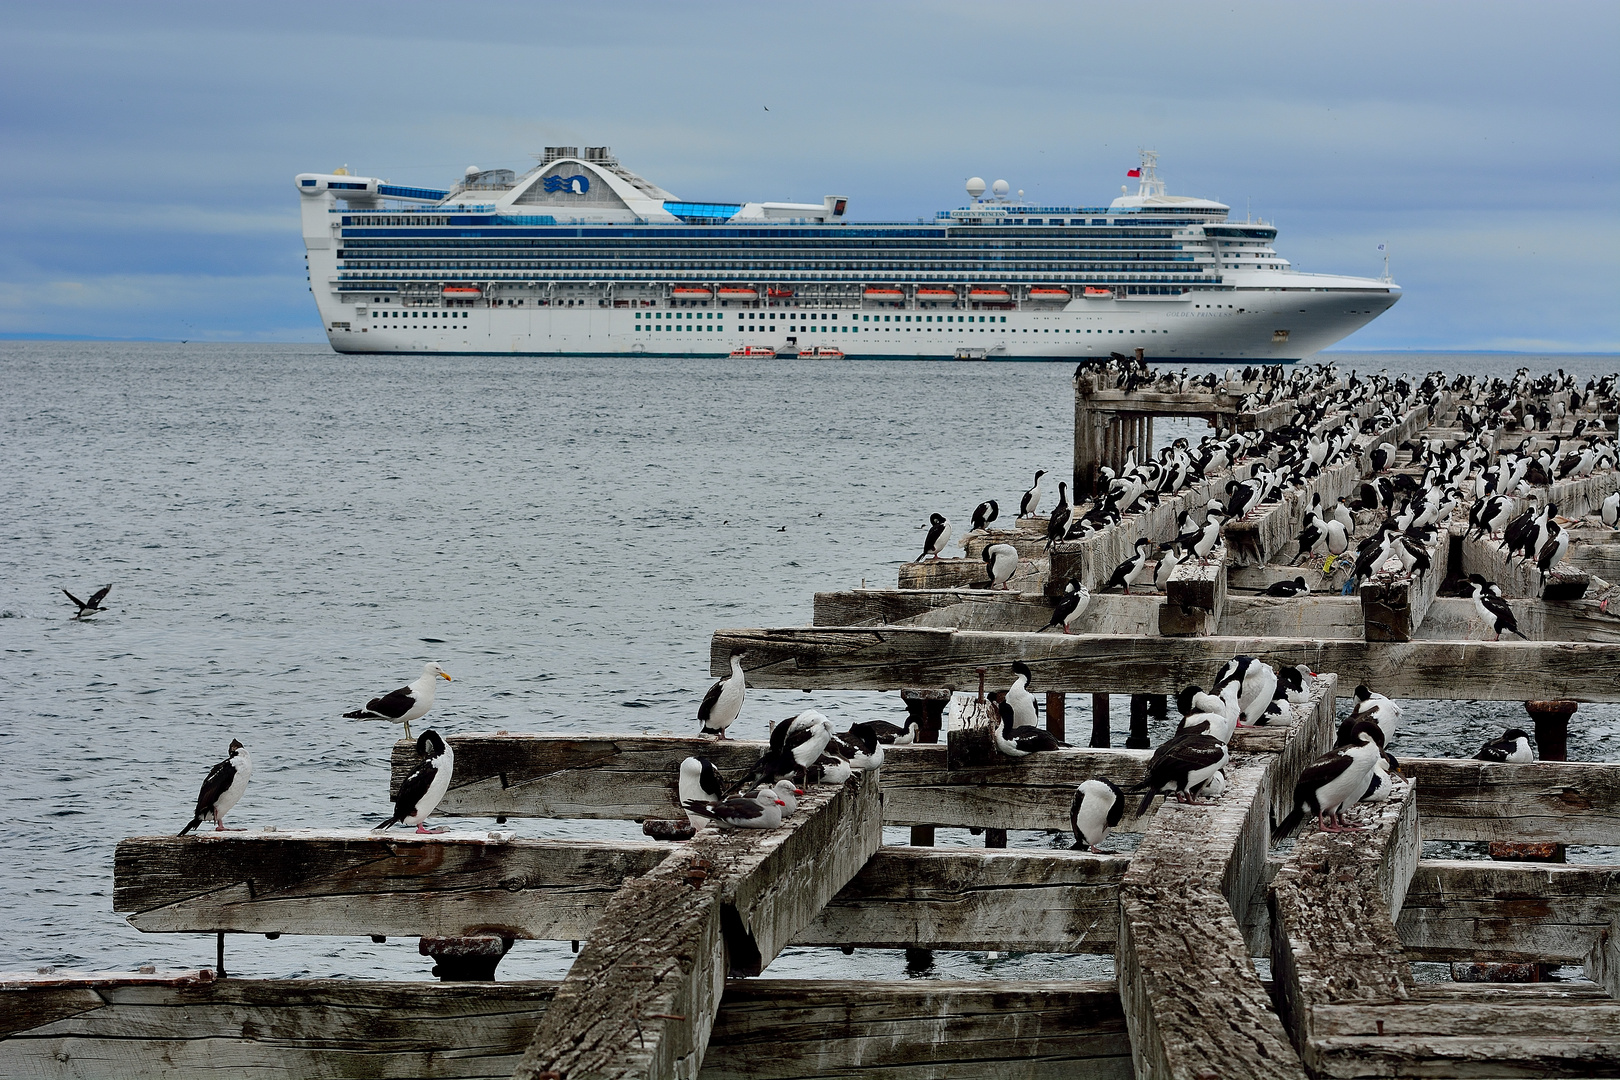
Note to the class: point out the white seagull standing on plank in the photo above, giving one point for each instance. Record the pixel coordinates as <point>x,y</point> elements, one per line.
<point>419,795</point>
<point>223,788</point>
<point>405,704</point>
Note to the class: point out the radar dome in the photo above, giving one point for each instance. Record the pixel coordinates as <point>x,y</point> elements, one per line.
<point>472,171</point>
<point>975,186</point>
<point>1020,193</point>
<point>999,189</point>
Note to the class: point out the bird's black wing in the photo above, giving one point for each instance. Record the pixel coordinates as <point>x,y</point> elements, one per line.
<point>1279,588</point>
<point>393,705</point>
<point>709,700</point>
<point>1074,814</point>
<point>214,785</point>
<point>99,595</point>
<point>1496,750</point>
<point>1317,775</point>
<point>411,792</point>
<point>709,778</point>
<point>1033,740</point>
<point>76,600</point>
<point>1117,812</point>
<point>733,810</point>
<point>885,731</point>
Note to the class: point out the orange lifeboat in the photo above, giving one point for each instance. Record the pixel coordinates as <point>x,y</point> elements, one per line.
<point>1048,292</point>
<point>937,296</point>
<point>461,290</point>
<point>980,295</point>
<point>738,292</point>
<point>1094,293</point>
<point>776,292</point>
<point>690,292</point>
<point>885,296</point>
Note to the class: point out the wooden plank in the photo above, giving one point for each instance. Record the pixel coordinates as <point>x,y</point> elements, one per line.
<point>1518,578</point>
<point>767,1029</point>
<point>919,787</point>
<point>1393,606</point>
<point>1529,1039</point>
<point>1472,910</point>
<point>1333,939</point>
<point>1195,597</point>
<point>1030,543</point>
<point>1175,918</point>
<point>979,609</point>
<point>977,898</point>
<point>966,573</point>
<point>890,658</point>
<point>640,1000</point>
<point>354,882</point>
<point>1602,960</point>
<point>1544,801</point>
<point>1267,534</point>
<point>1452,618</point>
<point>259,1029</point>
<point>1093,559</point>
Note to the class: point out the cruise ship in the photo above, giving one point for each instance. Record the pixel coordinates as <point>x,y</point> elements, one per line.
<point>581,256</point>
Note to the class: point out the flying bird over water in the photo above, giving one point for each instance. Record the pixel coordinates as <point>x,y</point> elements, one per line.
<point>405,704</point>
<point>94,604</point>
<point>223,788</point>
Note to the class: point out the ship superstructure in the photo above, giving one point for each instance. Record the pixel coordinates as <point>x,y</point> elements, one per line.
<point>581,256</point>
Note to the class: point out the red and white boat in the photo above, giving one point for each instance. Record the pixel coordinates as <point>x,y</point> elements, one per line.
<point>982,295</point>
<point>881,295</point>
<point>690,292</point>
<point>821,352</point>
<point>738,292</point>
<point>1047,292</point>
<point>936,296</point>
<point>753,352</point>
<point>776,292</point>
<point>461,292</point>
<point>1094,293</point>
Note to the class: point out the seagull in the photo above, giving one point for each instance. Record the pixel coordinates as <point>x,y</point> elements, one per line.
<point>1513,747</point>
<point>787,793</point>
<point>699,782</point>
<point>95,601</point>
<point>1032,497</point>
<point>724,701</point>
<point>1076,598</point>
<point>419,795</point>
<point>938,536</point>
<point>222,788</point>
<point>405,704</point>
<point>760,811</point>
<point>1098,805</point>
<point>985,514</point>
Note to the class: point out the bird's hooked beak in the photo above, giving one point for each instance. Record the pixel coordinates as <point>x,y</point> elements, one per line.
<point>445,677</point>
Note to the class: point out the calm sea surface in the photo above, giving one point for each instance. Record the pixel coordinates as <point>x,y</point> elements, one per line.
<point>288,532</point>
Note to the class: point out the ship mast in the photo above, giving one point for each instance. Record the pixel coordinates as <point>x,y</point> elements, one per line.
<point>1150,184</point>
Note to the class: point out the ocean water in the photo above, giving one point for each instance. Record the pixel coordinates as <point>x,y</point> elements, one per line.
<point>288,532</point>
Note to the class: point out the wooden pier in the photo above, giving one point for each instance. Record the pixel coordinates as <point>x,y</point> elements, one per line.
<point>673,977</point>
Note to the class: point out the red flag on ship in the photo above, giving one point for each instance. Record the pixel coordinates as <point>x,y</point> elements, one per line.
<point>1134,172</point>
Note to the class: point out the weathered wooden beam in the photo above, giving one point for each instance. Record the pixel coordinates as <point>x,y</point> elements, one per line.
<point>640,1000</point>
<point>1092,560</point>
<point>1193,1003</point>
<point>1519,578</point>
<point>1526,1037</point>
<point>1472,910</point>
<point>1333,939</point>
<point>1452,618</point>
<point>1602,960</point>
<point>977,898</point>
<point>1265,534</point>
<point>1544,801</point>
<point>352,882</point>
<point>1393,605</point>
<point>767,1029</point>
<point>966,573</point>
<point>1031,544</point>
<point>888,658</point>
<point>772,1029</point>
<point>1195,597</point>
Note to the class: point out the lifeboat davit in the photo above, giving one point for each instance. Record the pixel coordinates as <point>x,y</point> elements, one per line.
<point>885,296</point>
<point>690,292</point>
<point>1094,293</point>
<point>1047,292</point>
<point>738,292</point>
<point>989,296</point>
<point>938,296</point>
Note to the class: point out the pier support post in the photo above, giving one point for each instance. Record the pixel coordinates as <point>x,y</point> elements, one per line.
<point>1100,734</point>
<point>926,707</point>
<point>468,958</point>
<point>1138,739</point>
<point>1054,715</point>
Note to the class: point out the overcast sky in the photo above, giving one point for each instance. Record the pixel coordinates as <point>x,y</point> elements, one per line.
<point>149,149</point>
